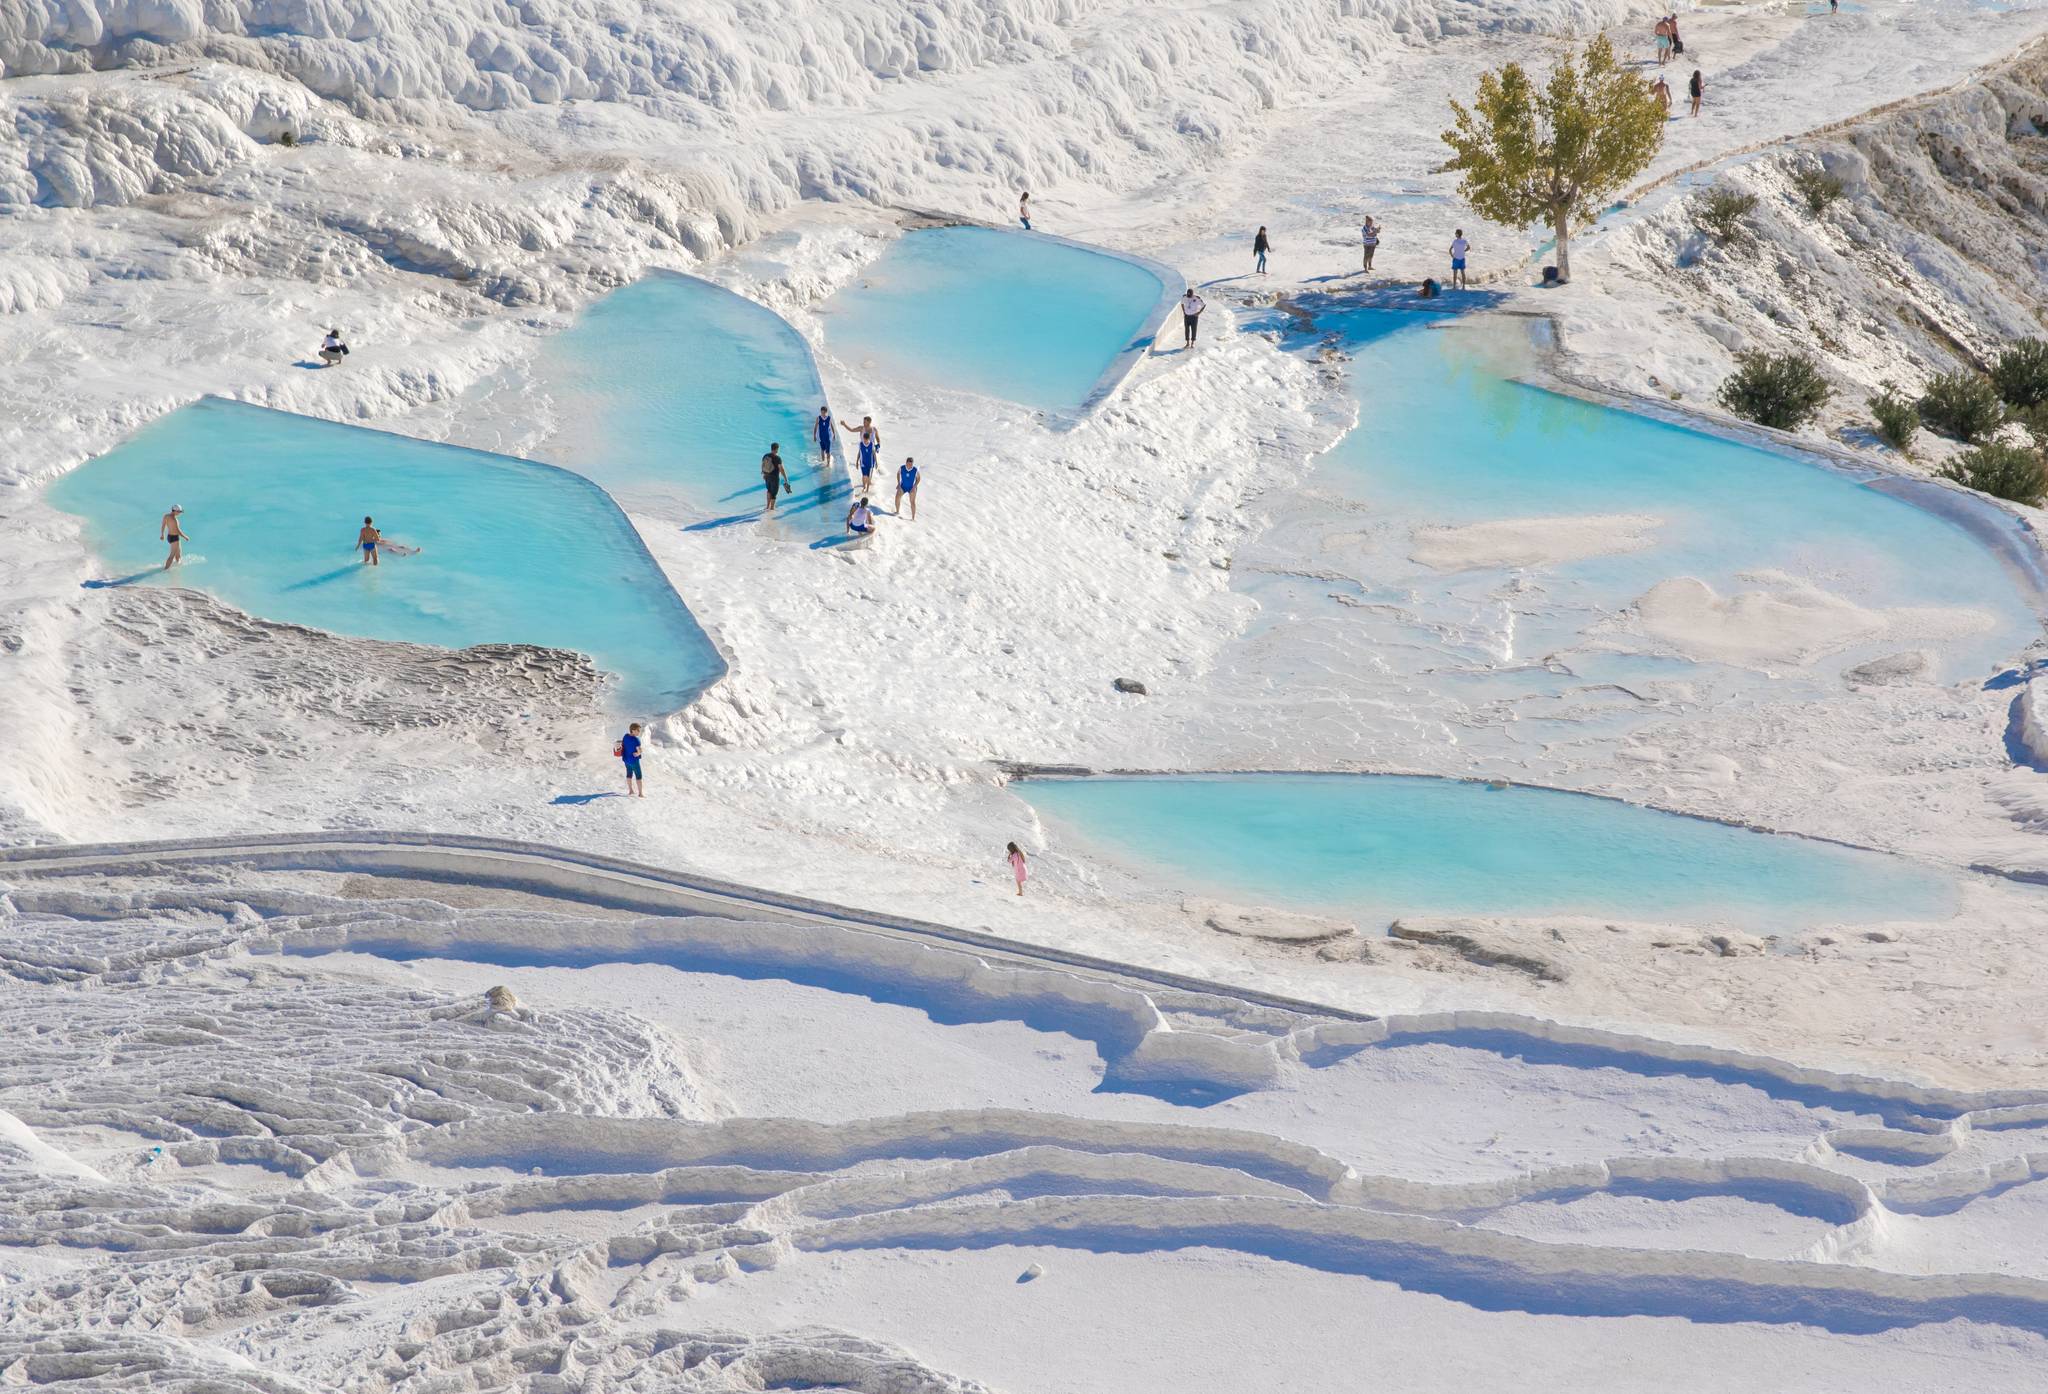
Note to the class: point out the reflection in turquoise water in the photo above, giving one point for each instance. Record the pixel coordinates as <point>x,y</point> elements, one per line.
<point>1375,847</point>
<point>510,552</point>
<point>1030,319</point>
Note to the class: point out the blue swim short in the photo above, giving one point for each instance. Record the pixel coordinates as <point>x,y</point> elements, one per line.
<point>632,769</point>
<point>1457,263</point>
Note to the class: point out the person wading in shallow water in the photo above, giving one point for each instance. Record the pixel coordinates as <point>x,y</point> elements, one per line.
<point>367,538</point>
<point>172,531</point>
<point>774,478</point>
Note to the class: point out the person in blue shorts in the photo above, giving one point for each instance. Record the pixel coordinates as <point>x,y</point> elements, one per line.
<point>1459,246</point>
<point>867,451</point>
<point>821,430</point>
<point>906,487</point>
<point>860,519</point>
<point>628,750</point>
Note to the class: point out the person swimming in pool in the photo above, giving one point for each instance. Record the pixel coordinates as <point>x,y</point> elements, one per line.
<point>867,451</point>
<point>367,539</point>
<point>171,530</point>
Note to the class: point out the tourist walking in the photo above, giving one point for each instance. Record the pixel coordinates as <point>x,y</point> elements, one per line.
<point>774,478</point>
<point>1459,247</point>
<point>1024,210</point>
<point>906,487</point>
<point>821,431</point>
<point>1261,245</point>
<point>172,530</point>
<point>628,751</point>
<point>1369,240</point>
<point>1019,868</point>
<point>1191,307</point>
<point>867,451</point>
<point>1660,90</point>
<point>1698,88</point>
<point>1663,36</point>
<point>367,538</point>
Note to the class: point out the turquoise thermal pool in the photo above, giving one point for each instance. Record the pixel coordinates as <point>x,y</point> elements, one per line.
<point>1036,320</point>
<point>669,391</point>
<point>510,552</point>
<point>1445,439</point>
<point>1374,847</point>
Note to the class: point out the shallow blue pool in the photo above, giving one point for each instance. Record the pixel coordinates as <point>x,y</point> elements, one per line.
<point>1373,847</point>
<point>510,552</point>
<point>1032,319</point>
<point>1445,439</point>
<point>670,390</point>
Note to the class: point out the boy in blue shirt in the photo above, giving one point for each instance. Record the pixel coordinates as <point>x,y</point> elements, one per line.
<point>629,751</point>
<point>906,487</point>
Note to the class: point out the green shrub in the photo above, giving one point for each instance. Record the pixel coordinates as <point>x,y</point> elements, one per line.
<point>1721,212</point>
<point>1818,188</point>
<point>2034,421</point>
<point>1962,406</point>
<point>1897,419</point>
<point>2021,374</point>
<point>1784,390</point>
<point>2015,472</point>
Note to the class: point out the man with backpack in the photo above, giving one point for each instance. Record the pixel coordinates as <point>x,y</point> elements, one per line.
<point>774,477</point>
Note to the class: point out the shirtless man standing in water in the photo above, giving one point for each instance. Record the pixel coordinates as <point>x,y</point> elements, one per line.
<point>171,531</point>
<point>367,539</point>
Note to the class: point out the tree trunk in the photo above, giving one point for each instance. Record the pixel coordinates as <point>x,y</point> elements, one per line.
<point>1561,224</point>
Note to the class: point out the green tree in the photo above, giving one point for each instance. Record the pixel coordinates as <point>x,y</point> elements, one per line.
<point>1556,153</point>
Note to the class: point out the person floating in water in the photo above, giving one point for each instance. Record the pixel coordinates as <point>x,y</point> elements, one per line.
<point>1459,247</point>
<point>774,478</point>
<point>367,539</point>
<point>1261,244</point>
<point>1024,210</point>
<point>1191,307</point>
<point>628,751</point>
<point>821,431</point>
<point>906,487</point>
<point>1019,868</point>
<point>1369,239</point>
<point>867,451</point>
<point>860,519</point>
<point>1429,290</point>
<point>332,349</point>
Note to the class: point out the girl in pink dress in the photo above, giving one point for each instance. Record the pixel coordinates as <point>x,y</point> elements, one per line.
<point>1017,866</point>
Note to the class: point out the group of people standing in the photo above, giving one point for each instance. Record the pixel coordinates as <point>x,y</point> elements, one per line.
<point>860,517</point>
<point>1191,305</point>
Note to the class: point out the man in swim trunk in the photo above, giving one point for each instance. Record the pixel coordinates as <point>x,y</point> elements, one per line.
<point>867,451</point>
<point>821,430</point>
<point>906,487</point>
<point>1459,246</point>
<point>860,519</point>
<point>367,539</point>
<point>774,478</point>
<point>629,753</point>
<point>171,531</point>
